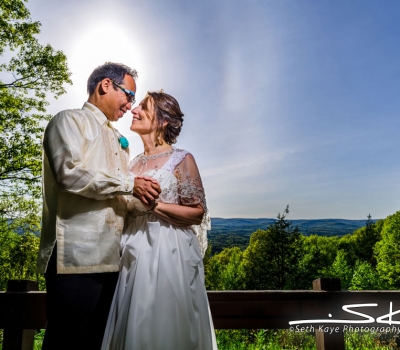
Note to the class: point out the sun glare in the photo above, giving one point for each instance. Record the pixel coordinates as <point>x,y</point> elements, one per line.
<point>93,47</point>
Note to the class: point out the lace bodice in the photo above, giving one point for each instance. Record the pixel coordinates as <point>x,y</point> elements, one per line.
<point>180,182</point>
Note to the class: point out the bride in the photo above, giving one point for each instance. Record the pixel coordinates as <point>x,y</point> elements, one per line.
<point>160,302</point>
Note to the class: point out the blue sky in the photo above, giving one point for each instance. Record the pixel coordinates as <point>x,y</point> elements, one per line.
<point>286,101</point>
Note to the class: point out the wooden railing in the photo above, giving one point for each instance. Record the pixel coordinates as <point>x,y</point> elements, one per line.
<point>22,312</point>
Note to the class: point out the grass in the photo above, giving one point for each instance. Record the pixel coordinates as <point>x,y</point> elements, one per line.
<point>371,341</point>
<point>278,339</point>
<point>37,345</point>
<point>284,339</point>
<point>262,339</point>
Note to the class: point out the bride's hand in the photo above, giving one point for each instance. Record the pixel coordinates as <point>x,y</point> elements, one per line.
<point>150,206</point>
<point>146,189</point>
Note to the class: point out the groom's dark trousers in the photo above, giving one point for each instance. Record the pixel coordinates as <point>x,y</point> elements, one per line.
<point>77,307</point>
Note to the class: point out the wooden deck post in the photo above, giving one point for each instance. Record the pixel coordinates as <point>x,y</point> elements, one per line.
<point>14,338</point>
<point>334,341</point>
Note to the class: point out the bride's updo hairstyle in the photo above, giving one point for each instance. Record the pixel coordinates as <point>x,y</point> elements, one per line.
<point>166,109</point>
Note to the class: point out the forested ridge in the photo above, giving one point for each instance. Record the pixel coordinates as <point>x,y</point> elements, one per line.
<point>236,232</point>
<point>278,256</point>
<point>281,257</point>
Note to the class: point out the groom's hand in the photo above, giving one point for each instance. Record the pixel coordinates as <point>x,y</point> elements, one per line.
<point>146,189</point>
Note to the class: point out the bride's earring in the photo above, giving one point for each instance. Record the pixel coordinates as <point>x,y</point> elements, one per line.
<point>158,139</point>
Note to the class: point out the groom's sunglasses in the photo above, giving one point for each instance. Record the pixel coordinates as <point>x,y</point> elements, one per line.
<point>129,94</point>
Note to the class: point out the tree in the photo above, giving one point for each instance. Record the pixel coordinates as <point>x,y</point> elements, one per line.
<point>365,239</point>
<point>271,259</point>
<point>319,252</point>
<point>225,270</point>
<point>18,255</point>
<point>33,72</point>
<point>341,269</point>
<point>387,252</point>
<point>365,277</point>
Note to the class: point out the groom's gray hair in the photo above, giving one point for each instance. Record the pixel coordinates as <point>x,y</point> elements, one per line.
<point>114,71</point>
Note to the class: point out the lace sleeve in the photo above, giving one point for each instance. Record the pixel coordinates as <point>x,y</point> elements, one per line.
<point>191,193</point>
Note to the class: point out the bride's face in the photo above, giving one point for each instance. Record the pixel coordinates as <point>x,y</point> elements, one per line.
<point>144,121</point>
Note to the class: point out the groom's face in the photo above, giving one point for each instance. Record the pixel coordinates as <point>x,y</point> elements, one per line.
<point>119,101</point>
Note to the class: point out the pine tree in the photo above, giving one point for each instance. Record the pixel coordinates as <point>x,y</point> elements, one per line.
<point>271,259</point>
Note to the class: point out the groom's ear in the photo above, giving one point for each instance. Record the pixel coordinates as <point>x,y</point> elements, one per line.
<point>104,86</point>
<point>165,123</point>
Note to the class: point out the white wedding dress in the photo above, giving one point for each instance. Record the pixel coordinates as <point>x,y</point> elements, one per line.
<point>160,302</point>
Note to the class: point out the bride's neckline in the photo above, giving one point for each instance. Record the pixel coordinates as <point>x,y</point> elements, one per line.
<point>158,155</point>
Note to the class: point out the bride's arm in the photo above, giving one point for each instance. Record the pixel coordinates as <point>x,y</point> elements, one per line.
<point>179,215</point>
<point>192,205</point>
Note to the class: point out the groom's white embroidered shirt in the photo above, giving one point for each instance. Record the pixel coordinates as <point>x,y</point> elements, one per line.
<point>85,178</point>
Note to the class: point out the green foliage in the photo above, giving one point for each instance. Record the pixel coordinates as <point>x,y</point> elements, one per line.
<point>32,72</point>
<point>37,343</point>
<point>348,244</point>
<point>387,251</point>
<point>225,270</point>
<point>355,260</point>
<point>360,244</point>
<point>366,241</point>
<point>365,277</point>
<point>18,255</point>
<point>207,255</point>
<point>342,258</point>
<point>370,341</point>
<point>352,258</point>
<point>340,269</point>
<point>226,233</point>
<point>15,25</point>
<point>273,339</point>
<point>264,339</point>
<point>319,253</point>
<point>270,260</point>
<point>222,240</point>
<point>379,227</point>
<point>39,336</point>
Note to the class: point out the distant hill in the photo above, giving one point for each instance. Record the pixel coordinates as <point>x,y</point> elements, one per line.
<point>236,232</point>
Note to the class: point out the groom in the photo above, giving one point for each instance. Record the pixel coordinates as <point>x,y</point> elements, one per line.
<point>85,178</point>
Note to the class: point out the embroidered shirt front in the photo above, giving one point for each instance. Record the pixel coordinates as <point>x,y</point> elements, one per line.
<point>84,179</point>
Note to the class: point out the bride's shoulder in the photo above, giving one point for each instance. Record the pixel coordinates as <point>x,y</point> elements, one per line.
<point>176,157</point>
<point>136,158</point>
<point>183,159</point>
<point>180,154</point>
<point>180,151</point>
<point>134,163</point>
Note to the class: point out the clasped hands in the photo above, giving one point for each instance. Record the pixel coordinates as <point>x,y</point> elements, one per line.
<point>147,190</point>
